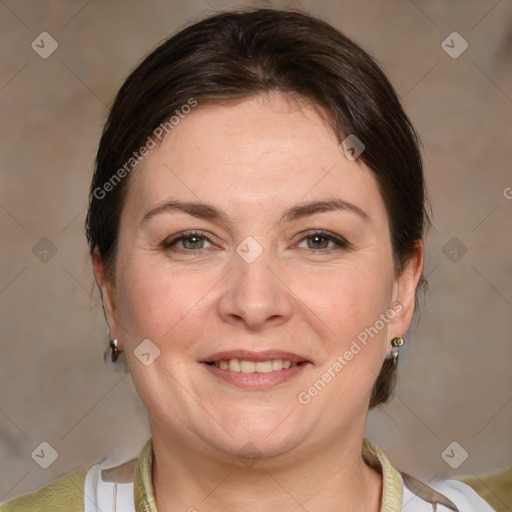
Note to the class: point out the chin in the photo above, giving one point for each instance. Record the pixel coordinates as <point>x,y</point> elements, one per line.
<point>265,436</point>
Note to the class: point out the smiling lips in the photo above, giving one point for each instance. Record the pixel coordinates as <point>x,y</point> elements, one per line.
<point>245,366</point>
<point>246,361</point>
<point>255,369</point>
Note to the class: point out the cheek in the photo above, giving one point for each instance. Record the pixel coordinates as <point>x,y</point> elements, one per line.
<point>161,304</point>
<point>168,308</point>
<point>350,303</point>
<point>349,299</point>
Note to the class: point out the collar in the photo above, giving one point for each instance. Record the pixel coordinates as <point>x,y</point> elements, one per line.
<point>392,484</point>
<point>143,485</point>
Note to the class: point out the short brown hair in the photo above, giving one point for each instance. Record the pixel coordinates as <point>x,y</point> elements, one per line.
<point>245,53</point>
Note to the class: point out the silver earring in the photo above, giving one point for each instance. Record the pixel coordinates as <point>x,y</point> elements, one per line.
<point>112,358</point>
<point>114,352</point>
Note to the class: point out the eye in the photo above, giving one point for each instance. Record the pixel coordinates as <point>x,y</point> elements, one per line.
<point>190,240</point>
<point>321,239</point>
<point>317,241</point>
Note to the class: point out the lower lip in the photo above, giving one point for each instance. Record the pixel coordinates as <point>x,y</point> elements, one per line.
<point>256,380</point>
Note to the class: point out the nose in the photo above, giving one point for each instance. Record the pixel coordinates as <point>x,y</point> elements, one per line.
<point>256,294</point>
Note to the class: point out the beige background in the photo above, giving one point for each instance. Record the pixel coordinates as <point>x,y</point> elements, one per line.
<point>455,378</point>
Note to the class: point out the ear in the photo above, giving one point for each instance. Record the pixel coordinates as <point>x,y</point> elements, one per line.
<point>404,292</point>
<point>107,291</point>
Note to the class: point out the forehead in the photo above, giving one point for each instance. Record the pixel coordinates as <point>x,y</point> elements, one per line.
<point>256,152</point>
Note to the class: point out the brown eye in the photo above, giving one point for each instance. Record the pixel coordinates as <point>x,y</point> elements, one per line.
<point>320,240</point>
<point>191,241</point>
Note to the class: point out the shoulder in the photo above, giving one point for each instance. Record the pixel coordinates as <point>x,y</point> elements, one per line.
<point>65,494</point>
<point>93,488</point>
<point>466,498</point>
<point>446,495</point>
<point>496,487</point>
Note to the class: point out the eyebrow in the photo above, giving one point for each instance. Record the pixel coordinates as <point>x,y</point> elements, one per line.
<point>207,211</point>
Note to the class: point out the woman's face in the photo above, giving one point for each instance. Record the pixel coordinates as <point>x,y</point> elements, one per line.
<point>257,179</point>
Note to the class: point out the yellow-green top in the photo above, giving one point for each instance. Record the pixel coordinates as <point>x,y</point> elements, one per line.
<point>67,493</point>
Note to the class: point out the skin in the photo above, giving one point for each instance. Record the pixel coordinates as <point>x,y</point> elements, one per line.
<point>254,159</point>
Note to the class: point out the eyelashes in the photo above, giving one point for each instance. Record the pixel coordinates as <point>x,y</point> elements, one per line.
<point>194,237</point>
<point>186,235</point>
<point>339,242</point>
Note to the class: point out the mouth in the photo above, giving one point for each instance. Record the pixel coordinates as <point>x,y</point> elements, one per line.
<point>247,366</point>
<point>256,370</point>
<point>247,361</point>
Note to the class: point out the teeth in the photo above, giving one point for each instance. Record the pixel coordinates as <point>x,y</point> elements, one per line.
<point>241,365</point>
<point>263,366</point>
<point>277,364</point>
<point>234,365</point>
<point>247,366</point>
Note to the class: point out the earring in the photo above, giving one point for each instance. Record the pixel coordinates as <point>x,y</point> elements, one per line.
<point>114,350</point>
<point>395,342</point>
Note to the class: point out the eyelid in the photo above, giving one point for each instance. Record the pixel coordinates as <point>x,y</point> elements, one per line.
<point>339,241</point>
<point>168,242</point>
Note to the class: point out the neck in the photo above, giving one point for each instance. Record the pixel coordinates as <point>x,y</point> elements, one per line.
<point>334,477</point>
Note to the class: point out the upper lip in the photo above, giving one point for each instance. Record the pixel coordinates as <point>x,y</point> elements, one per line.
<point>249,355</point>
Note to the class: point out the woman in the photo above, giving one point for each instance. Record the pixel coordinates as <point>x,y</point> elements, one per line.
<point>256,226</point>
